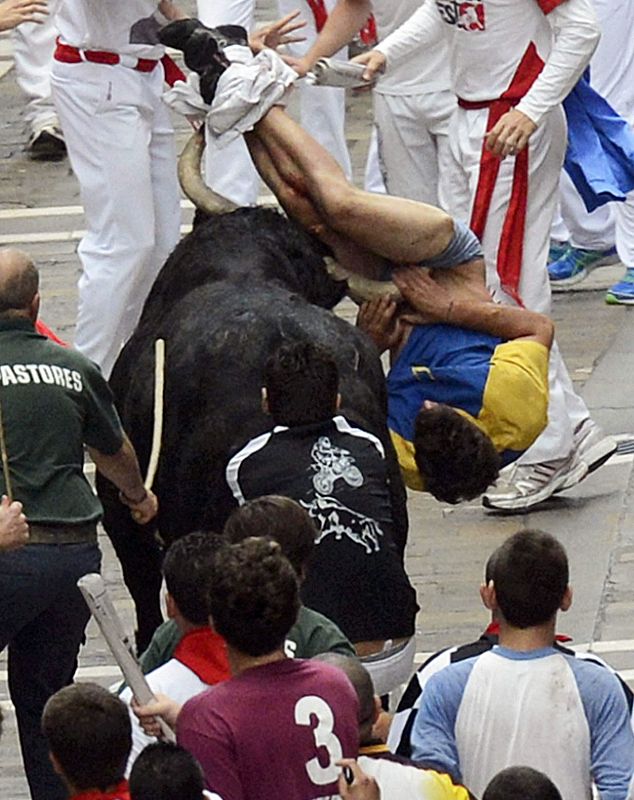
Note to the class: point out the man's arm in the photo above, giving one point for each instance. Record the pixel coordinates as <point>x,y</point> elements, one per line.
<point>437,305</point>
<point>171,11</point>
<point>347,17</point>
<point>122,469</point>
<point>423,28</point>
<point>577,32</point>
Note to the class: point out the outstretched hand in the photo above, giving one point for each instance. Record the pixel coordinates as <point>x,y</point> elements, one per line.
<point>423,293</point>
<point>15,12</point>
<point>378,319</point>
<point>278,33</point>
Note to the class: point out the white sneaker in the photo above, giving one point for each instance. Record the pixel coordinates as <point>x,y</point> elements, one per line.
<point>526,485</point>
<point>592,445</point>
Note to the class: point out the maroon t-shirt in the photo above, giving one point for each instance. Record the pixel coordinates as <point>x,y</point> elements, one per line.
<point>274,732</point>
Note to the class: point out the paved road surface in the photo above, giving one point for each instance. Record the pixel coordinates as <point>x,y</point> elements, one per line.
<point>40,211</point>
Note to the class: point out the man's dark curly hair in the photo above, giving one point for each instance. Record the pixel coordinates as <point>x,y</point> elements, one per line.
<point>280,519</point>
<point>187,569</point>
<point>253,599</point>
<point>455,458</point>
<point>301,380</point>
<point>530,575</point>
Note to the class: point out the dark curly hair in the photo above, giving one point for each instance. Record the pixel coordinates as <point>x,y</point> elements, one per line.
<point>301,380</point>
<point>530,575</point>
<point>280,519</point>
<point>455,458</point>
<point>187,569</point>
<point>165,771</point>
<point>254,598</point>
<point>524,782</point>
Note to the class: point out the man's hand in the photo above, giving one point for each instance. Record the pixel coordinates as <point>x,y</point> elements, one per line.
<point>362,786</point>
<point>510,134</point>
<point>142,510</point>
<point>14,531</point>
<point>278,33</point>
<point>15,12</point>
<point>374,63</point>
<point>378,319</point>
<point>163,707</point>
<point>423,293</point>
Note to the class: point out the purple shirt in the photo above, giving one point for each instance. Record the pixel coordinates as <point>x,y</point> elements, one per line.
<point>273,732</point>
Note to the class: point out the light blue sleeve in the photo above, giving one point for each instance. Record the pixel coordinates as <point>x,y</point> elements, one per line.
<point>434,737</point>
<point>611,736</point>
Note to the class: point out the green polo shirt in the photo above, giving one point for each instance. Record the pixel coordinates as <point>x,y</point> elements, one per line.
<point>53,402</point>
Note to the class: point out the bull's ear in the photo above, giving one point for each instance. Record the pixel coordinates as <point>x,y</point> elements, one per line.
<point>264,401</point>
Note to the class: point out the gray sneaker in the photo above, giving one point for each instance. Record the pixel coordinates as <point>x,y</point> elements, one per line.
<point>47,144</point>
<point>592,445</point>
<point>527,485</point>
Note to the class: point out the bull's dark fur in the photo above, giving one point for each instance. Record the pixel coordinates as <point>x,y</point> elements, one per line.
<point>229,294</point>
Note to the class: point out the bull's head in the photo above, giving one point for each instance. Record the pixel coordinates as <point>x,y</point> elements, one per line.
<point>359,288</point>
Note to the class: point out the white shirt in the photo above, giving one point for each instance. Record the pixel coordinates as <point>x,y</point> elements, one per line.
<point>488,38</point>
<point>612,66</point>
<point>173,679</point>
<point>106,25</point>
<point>424,70</point>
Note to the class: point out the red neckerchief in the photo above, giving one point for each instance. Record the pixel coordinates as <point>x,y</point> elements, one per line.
<point>493,629</point>
<point>44,330</point>
<point>205,653</point>
<point>122,792</point>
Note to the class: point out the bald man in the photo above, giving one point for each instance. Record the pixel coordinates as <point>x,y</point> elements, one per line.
<point>54,401</point>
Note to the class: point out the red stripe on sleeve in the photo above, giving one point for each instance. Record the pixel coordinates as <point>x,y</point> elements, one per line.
<point>549,5</point>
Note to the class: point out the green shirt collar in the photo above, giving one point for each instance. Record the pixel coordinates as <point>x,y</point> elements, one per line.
<point>16,324</point>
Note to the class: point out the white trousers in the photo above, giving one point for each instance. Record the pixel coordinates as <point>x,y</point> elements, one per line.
<point>414,153</point>
<point>33,47</point>
<point>121,147</point>
<point>573,223</point>
<point>322,110</point>
<point>566,409</point>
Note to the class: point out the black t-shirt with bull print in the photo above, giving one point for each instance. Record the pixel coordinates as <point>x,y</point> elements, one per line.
<point>338,474</point>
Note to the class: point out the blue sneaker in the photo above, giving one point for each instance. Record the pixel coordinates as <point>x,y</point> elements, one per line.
<point>573,266</point>
<point>622,293</point>
<point>557,250</point>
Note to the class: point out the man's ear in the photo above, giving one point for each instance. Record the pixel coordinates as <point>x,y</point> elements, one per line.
<point>487,595</point>
<point>566,600</point>
<point>170,606</point>
<point>338,401</point>
<point>34,307</point>
<point>264,400</point>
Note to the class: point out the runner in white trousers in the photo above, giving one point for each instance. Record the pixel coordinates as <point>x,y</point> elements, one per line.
<point>592,236</point>
<point>33,46</point>
<point>121,147</point>
<point>413,103</point>
<point>511,67</point>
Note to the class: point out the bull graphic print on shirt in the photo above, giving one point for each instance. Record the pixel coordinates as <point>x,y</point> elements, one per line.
<point>468,16</point>
<point>331,464</point>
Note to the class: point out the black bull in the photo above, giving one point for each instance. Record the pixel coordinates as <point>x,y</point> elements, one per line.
<point>231,292</point>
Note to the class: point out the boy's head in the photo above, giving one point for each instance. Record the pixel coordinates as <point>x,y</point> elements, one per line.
<point>187,567</point>
<point>456,460</point>
<point>301,384</point>
<point>361,680</point>
<point>521,783</point>
<point>527,579</point>
<point>165,771</point>
<point>253,599</point>
<point>280,519</point>
<point>89,736</point>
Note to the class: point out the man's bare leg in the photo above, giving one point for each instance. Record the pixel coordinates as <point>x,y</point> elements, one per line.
<point>301,208</point>
<point>400,230</point>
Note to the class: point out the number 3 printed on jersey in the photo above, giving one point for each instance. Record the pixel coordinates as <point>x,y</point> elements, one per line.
<point>307,710</point>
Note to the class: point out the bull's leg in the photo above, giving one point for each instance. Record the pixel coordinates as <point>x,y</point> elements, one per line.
<point>301,208</point>
<point>400,230</point>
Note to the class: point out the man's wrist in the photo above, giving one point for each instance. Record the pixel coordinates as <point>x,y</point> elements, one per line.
<point>130,500</point>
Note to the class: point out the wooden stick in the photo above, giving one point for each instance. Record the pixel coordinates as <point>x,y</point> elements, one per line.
<point>5,460</point>
<point>157,432</point>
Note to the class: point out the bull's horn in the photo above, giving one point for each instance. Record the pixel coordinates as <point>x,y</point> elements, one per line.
<point>360,288</point>
<point>192,183</point>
